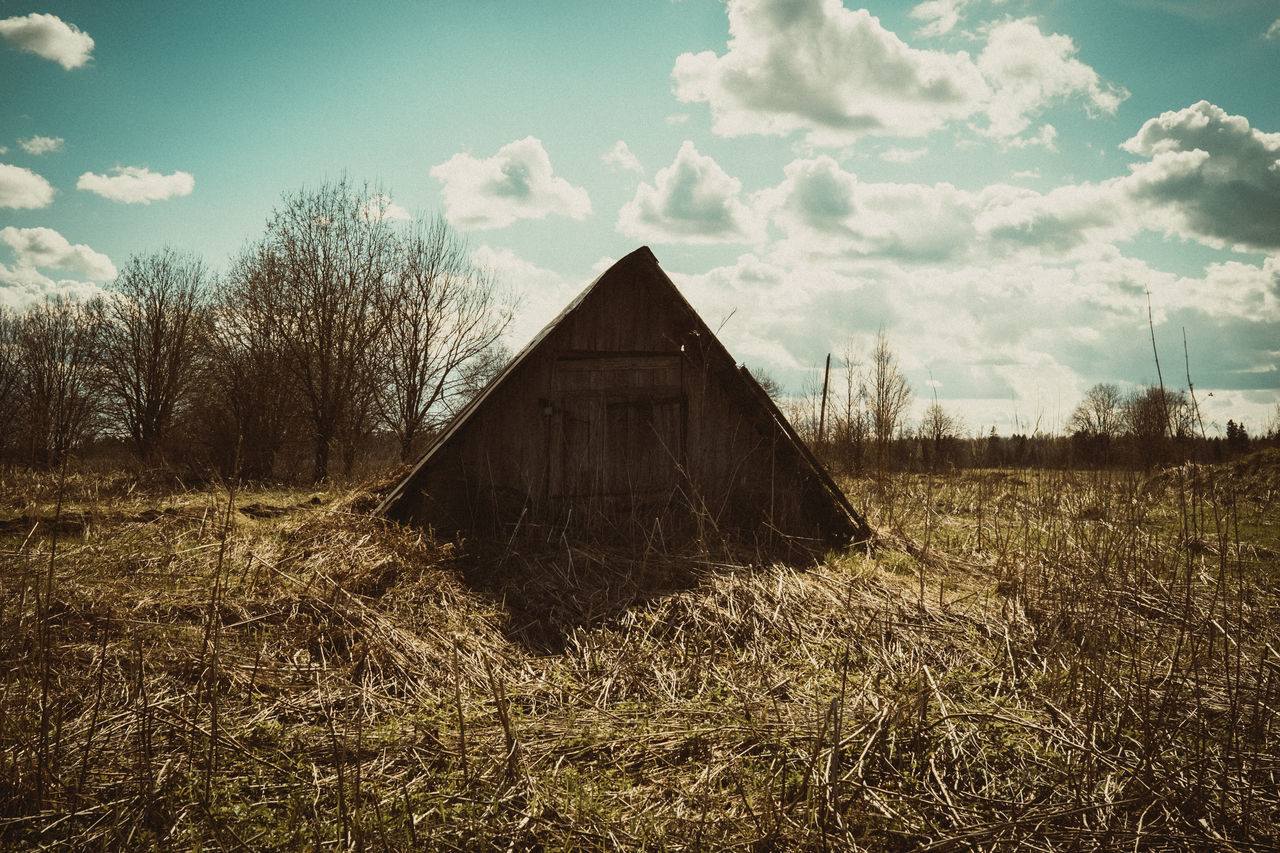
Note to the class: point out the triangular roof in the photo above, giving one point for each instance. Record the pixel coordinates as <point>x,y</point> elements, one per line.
<point>639,263</point>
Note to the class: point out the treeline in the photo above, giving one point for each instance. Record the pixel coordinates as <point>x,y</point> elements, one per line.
<point>854,416</point>
<point>339,325</point>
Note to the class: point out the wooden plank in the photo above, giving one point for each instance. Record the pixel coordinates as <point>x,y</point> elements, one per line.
<point>621,393</point>
<point>628,361</point>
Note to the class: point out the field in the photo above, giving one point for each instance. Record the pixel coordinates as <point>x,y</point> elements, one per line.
<point>1030,660</point>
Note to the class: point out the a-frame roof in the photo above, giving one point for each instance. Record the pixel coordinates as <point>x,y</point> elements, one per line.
<point>639,264</point>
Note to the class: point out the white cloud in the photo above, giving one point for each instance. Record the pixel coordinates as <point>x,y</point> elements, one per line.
<point>1208,176</point>
<point>620,155</point>
<point>516,183</point>
<point>837,74</point>
<point>380,206</point>
<point>1273,31</point>
<point>691,201</point>
<point>541,292</point>
<point>44,247</point>
<point>37,145</point>
<point>1074,219</point>
<point>33,248</point>
<point>21,287</point>
<point>903,155</point>
<point>1231,289</point>
<point>137,185</point>
<point>1028,70</point>
<point>1044,139</point>
<point>1215,178</point>
<point>50,37</point>
<point>1002,338</point>
<point>827,212</point>
<point>23,188</point>
<point>940,16</point>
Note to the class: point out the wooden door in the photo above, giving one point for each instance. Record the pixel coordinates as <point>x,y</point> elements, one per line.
<point>618,429</point>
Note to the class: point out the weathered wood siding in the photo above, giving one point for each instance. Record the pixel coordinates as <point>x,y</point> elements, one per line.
<point>626,414</point>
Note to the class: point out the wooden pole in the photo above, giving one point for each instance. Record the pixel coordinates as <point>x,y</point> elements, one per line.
<point>822,414</point>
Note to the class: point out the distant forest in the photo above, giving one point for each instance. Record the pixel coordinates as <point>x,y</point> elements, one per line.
<point>340,340</point>
<point>859,426</point>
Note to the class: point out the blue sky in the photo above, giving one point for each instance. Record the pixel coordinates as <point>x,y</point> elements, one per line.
<point>997,184</point>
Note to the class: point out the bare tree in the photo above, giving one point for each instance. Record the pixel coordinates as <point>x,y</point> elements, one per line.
<point>1154,417</point>
<point>888,397</point>
<point>804,409</point>
<point>937,423</point>
<point>150,342</point>
<point>1153,412</point>
<point>481,370</point>
<point>1101,412</point>
<point>249,397</point>
<point>445,315</point>
<point>767,383</point>
<point>851,420</point>
<point>57,351</point>
<point>324,268</point>
<point>10,325</point>
<point>940,428</point>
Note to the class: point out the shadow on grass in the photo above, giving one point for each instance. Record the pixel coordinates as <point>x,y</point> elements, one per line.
<point>551,590</point>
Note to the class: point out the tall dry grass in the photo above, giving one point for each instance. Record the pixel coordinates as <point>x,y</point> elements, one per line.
<point>1029,660</point>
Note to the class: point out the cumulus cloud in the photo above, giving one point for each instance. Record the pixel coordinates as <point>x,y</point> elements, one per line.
<point>44,247</point>
<point>1044,139</point>
<point>38,145</point>
<point>380,206</point>
<point>620,155</point>
<point>516,183</point>
<point>137,185</point>
<point>836,74</point>
<point>1231,289</point>
<point>1217,178</point>
<point>33,249</point>
<point>50,37</point>
<point>827,212</point>
<point>23,188</point>
<point>21,287</point>
<point>691,201</point>
<point>1068,219</point>
<point>1029,69</point>
<point>1206,176</point>
<point>1273,31</point>
<point>939,16</point>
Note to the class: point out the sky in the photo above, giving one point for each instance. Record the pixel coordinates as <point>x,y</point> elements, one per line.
<point>1015,191</point>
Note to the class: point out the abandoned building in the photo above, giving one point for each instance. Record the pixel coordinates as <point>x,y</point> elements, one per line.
<point>625,417</point>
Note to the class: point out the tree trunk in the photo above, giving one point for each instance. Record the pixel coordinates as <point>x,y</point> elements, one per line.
<point>322,459</point>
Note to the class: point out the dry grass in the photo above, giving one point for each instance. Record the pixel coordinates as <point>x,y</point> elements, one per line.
<point>1041,661</point>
